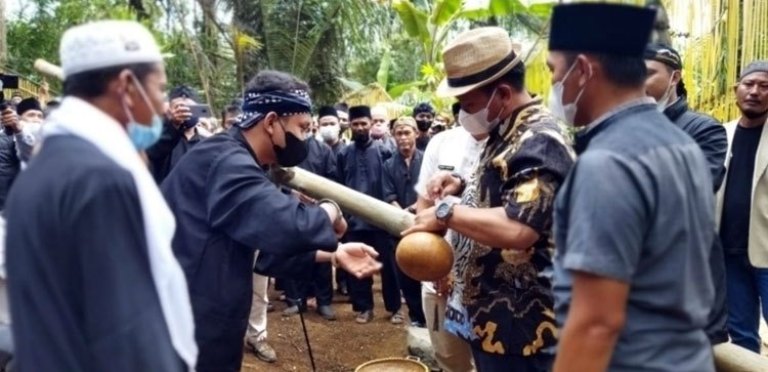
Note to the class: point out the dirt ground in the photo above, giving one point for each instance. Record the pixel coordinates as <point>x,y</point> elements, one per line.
<point>337,346</point>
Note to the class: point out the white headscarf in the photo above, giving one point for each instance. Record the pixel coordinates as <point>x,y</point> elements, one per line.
<point>79,118</point>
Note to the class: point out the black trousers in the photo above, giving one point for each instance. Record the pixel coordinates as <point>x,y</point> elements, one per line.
<point>412,292</point>
<point>716,328</point>
<point>341,275</point>
<point>361,290</point>
<point>321,286</point>
<point>341,278</point>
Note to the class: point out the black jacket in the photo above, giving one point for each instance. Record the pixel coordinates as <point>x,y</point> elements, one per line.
<point>707,132</point>
<point>9,166</point>
<point>79,275</point>
<point>171,146</point>
<point>226,207</point>
<point>711,137</point>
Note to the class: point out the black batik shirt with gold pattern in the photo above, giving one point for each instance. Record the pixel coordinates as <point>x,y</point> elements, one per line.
<point>502,298</point>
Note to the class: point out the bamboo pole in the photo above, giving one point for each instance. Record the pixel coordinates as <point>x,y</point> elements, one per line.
<point>376,212</point>
<point>732,358</point>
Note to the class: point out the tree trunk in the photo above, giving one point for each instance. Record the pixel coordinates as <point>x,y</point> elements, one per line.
<point>209,30</point>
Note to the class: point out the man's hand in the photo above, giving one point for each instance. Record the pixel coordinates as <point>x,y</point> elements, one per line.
<point>441,184</point>
<point>358,259</point>
<point>11,120</point>
<point>443,286</point>
<point>179,114</point>
<point>426,221</point>
<point>303,198</point>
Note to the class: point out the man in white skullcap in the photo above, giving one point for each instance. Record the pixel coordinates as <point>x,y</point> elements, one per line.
<point>92,281</point>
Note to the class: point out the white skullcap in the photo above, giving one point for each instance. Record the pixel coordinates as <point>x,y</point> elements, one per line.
<point>97,45</point>
<point>380,110</point>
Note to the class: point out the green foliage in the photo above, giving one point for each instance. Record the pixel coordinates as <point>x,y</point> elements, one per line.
<point>337,46</point>
<point>431,23</point>
<point>444,11</point>
<point>414,20</point>
<point>38,36</point>
<point>306,38</point>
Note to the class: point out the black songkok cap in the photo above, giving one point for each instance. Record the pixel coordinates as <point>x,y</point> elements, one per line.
<point>28,104</point>
<point>664,54</point>
<point>327,111</point>
<point>621,30</point>
<point>359,112</point>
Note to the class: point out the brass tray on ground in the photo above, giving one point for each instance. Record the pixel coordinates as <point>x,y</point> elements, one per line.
<point>407,364</point>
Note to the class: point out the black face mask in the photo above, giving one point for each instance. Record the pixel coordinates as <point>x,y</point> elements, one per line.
<point>191,122</point>
<point>294,152</point>
<point>423,125</point>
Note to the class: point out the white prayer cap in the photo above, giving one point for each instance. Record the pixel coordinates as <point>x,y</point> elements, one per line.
<point>102,44</point>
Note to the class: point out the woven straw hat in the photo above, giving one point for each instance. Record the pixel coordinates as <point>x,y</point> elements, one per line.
<point>476,58</point>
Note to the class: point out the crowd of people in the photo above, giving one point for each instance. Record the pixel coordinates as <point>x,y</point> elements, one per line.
<point>141,235</point>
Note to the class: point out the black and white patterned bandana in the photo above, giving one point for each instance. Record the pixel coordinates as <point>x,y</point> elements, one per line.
<point>257,105</point>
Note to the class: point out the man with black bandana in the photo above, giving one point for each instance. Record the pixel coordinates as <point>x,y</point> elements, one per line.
<point>360,166</point>
<point>424,114</point>
<point>179,133</point>
<point>227,208</point>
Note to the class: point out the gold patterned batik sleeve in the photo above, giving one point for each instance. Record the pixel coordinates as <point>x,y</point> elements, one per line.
<point>534,172</point>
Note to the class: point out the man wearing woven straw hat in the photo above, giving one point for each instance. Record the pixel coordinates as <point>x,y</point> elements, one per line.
<point>501,301</point>
<point>634,220</point>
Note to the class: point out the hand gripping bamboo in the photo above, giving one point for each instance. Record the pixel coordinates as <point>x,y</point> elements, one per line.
<point>422,256</point>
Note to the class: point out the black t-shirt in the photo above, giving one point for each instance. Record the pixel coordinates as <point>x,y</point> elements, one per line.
<point>734,228</point>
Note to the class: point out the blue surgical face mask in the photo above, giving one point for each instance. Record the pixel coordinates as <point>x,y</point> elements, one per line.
<point>142,135</point>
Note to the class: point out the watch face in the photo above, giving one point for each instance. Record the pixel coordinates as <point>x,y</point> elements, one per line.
<point>442,210</point>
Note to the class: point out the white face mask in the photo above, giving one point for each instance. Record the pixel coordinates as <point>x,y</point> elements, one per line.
<point>663,102</point>
<point>564,112</point>
<point>478,122</point>
<point>329,133</point>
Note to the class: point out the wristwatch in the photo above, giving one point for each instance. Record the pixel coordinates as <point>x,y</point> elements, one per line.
<point>462,180</point>
<point>444,210</point>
